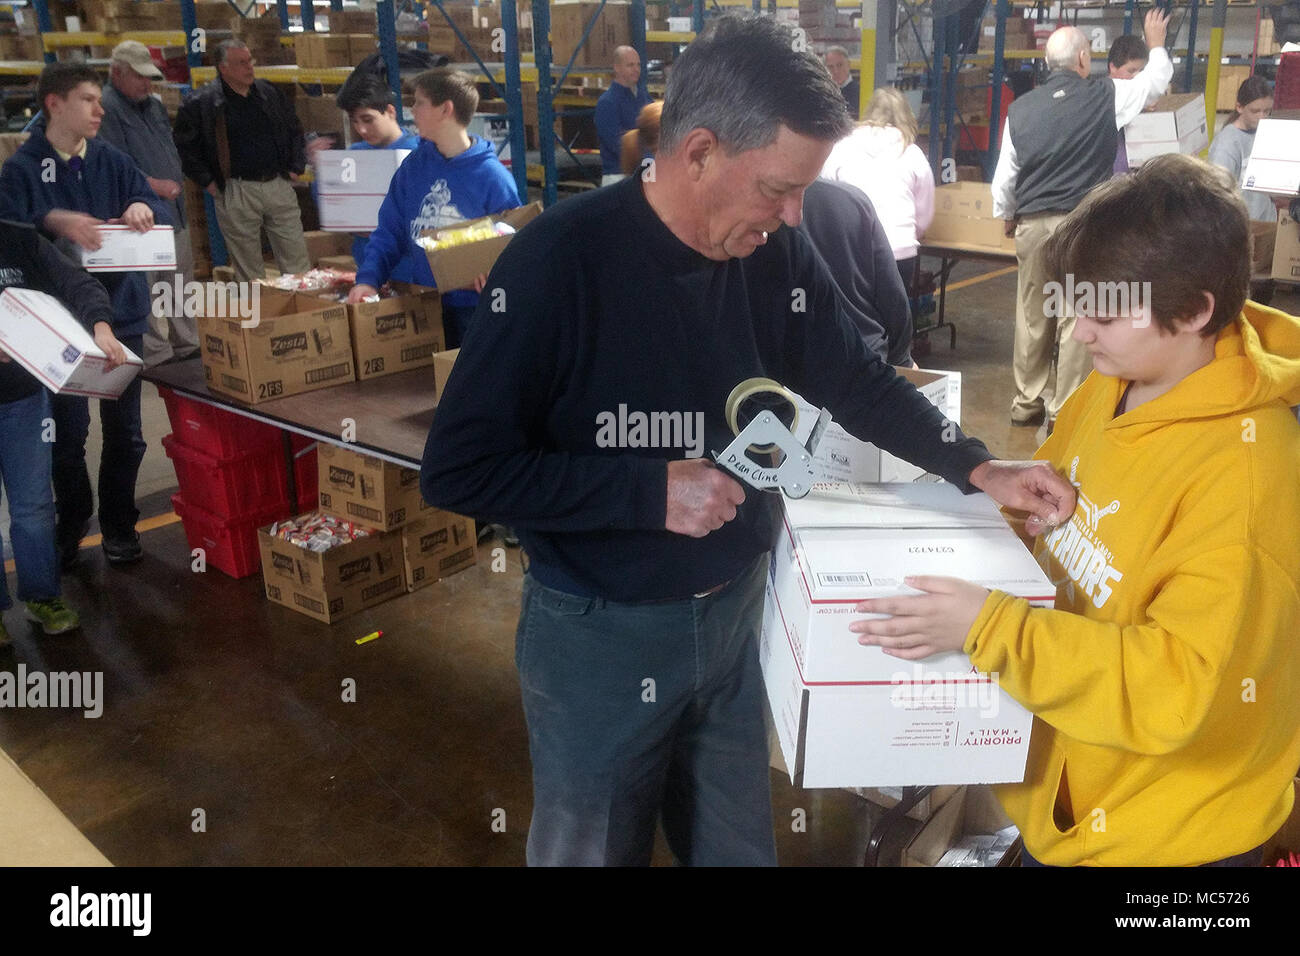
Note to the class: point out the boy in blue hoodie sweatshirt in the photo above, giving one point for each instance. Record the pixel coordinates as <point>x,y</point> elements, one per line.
<point>368,101</point>
<point>67,183</point>
<point>452,177</point>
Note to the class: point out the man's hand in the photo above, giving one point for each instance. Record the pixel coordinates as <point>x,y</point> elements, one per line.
<point>109,345</point>
<point>316,145</point>
<point>164,188</point>
<point>1009,228</point>
<point>701,498</point>
<point>359,293</point>
<point>932,623</point>
<point>212,189</point>
<point>75,226</point>
<point>480,282</point>
<point>138,216</point>
<point>4,356</point>
<point>1029,486</point>
<point>1155,28</point>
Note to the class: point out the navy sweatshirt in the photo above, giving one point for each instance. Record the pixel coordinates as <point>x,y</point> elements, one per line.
<point>108,182</point>
<point>596,304</point>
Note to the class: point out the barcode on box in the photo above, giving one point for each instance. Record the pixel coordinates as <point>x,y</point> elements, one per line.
<point>361,511</point>
<point>843,580</point>
<point>383,587</point>
<point>453,559</point>
<point>327,373</point>
<point>417,352</point>
<point>310,604</point>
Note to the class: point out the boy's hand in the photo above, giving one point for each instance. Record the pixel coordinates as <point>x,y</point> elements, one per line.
<point>1031,486</point>
<point>359,293</point>
<point>1155,28</point>
<point>935,622</point>
<point>109,345</point>
<point>316,145</point>
<point>480,283</point>
<point>4,356</point>
<point>164,188</point>
<point>78,227</point>
<point>138,216</point>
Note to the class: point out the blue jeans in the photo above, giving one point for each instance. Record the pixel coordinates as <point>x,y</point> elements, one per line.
<point>25,461</point>
<point>645,712</point>
<point>119,463</point>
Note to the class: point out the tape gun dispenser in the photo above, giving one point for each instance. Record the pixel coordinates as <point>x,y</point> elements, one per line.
<point>763,416</point>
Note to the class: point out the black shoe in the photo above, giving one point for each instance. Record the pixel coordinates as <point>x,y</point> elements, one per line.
<point>124,550</point>
<point>70,547</point>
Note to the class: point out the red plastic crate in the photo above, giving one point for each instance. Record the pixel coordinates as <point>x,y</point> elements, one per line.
<point>215,431</point>
<point>229,544</point>
<point>232,488</point>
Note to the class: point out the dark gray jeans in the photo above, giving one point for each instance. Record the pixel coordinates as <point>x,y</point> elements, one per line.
<point>646,712</point>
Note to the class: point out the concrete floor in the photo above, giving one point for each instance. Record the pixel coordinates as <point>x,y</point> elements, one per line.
<point>218,701</point>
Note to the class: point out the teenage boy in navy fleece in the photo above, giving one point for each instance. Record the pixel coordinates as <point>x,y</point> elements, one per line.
<point>67,183</point>
<point>452,177</point>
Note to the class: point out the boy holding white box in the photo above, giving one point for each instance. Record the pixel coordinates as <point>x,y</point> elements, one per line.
<point>1166,683</point>
<point>67,183</point>
<point>29,261</point>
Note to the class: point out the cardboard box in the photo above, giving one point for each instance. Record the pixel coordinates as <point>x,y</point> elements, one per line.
<point>612,29</point>
<point>320,114</point>
<point>456,267</point>
<point>442,363</point>
<point>1286,251</point>
<point>437,546</point>
<point>841,457</point>
<point>33,831</point>
<point>848,715</point>
<point>398,333</point>
<point>1175,124</point>
<point>1263,244</point>
<point>351,185</point>
<point>360,46</point>
<point>1274,163</point>
<point>322,244</point>
<point>1230,80</point>
<point>972,819</point>
<point>122,249</point>
<point>368,490</point>
<point>297,345</point>
<point>321,50</point>
<point>43,337</point>
<point>963,215</point>
<point>332,584</point>
<point>337,263</point>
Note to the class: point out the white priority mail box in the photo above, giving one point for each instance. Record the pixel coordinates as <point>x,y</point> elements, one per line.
<point>40,334</point>
<point>122,249</point>
<point>849,715</point>
<point>351,185</point>
<point>1175,124</point>
<point>1274,163</point>
<point>841,457</point>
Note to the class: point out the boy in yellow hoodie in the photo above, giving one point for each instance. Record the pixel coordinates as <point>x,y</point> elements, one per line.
<point>1166,684</point>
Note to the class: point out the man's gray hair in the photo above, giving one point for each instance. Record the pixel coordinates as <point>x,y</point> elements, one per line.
<point>1063,48</point>
<point>225,46</point>
<point>837,49</point>
<point>743,79</point>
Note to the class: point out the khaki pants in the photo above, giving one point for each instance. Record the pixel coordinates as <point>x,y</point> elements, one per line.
<point>1037,333</point>
<point>244,209</point>
<point>169,336</point>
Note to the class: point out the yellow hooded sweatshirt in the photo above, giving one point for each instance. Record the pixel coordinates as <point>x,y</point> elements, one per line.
<point>1166,684</point>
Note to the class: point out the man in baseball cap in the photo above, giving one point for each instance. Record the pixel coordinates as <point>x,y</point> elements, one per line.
<point>137,124</point>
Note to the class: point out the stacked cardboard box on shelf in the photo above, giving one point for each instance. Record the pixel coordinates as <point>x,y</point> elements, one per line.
<point>1019,34</point>
<point>262,36</point>
<point>612,29</point>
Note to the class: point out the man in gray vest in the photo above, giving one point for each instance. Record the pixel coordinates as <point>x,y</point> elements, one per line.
<point>1059,142</point>
<point>136,122</point>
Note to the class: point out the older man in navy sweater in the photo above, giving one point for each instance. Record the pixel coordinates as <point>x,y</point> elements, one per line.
<point>67,183</point>
<point>637,646</point>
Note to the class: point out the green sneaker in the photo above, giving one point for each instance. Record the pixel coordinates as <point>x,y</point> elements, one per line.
<point>53,615</point>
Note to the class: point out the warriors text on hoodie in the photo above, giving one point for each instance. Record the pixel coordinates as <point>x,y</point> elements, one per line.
<point>1168,697</point>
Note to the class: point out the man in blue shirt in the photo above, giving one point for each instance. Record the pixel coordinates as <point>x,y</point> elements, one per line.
<point>616,111</point>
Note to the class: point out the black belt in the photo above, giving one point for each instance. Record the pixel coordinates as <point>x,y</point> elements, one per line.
<point>264,178</point>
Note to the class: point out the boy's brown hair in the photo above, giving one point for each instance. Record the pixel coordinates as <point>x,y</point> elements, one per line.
<point>1177,223</point>
<point>439,86</point>
<point>60,79</point>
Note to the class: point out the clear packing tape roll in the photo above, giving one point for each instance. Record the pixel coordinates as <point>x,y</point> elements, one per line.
<point>754,396</point>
